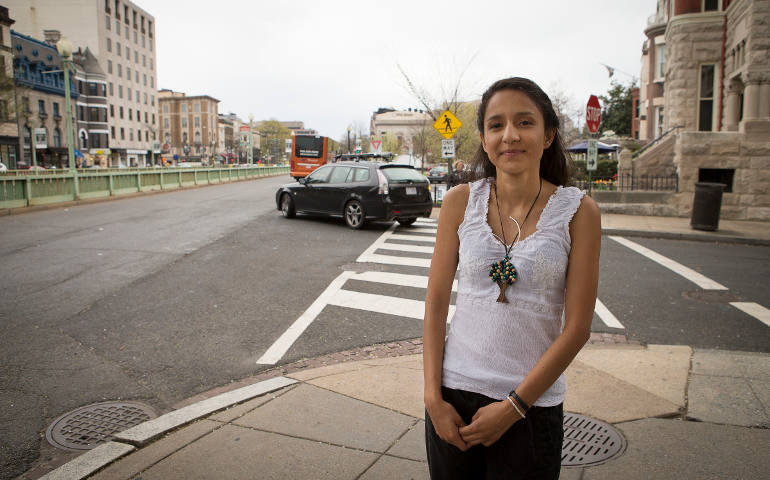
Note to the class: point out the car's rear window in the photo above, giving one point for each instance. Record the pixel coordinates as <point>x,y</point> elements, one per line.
<point>396,174</point>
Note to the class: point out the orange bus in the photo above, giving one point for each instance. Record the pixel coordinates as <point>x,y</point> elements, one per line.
<point>308,152</point>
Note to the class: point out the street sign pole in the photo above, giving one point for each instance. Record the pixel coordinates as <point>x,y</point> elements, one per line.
<point>593,120</point>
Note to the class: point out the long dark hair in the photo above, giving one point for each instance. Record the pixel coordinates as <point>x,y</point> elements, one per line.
<point>555,165</point>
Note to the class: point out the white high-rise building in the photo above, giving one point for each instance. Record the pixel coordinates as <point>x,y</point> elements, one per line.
<point>122,38</point>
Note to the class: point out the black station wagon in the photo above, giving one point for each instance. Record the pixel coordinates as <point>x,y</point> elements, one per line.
<point>359,191</point>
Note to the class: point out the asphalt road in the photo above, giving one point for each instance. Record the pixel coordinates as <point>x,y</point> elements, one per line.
<point>161,297</point>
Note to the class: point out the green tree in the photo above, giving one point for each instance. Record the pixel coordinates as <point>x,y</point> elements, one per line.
<point>272,132</point>
<point>616,109</point>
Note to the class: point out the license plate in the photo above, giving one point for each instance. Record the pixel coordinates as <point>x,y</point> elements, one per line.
<point>411,190</point>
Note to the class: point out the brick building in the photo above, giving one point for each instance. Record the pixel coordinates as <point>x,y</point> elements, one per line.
<point>188,127</point>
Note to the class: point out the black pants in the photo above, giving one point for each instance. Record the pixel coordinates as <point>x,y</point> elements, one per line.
<point>530,449</point>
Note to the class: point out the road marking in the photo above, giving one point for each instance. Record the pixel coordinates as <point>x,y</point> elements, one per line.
<point>606,316</point>
<point>335,295</point>
<point>413,238</point>
<point>393,260</point>
<point>416,281</point>
<point>405,248</point>
<point>420,229</point>
<point>755,310</point>
<point>688,273</point>
<point>279,348</point>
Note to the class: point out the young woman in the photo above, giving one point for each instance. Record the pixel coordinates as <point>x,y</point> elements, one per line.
<point>528,253</point>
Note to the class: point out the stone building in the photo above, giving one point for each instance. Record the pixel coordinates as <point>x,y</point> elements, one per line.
<point>188,127</point>
<point>716,102</point>
<point>402,125</point>
<point>9,129</point>
<point>121,36</point>
<point>40,103</point>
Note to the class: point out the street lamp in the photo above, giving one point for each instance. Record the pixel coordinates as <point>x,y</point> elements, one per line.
<point>348,139</point>
<point>251,150</point>
<point>64,47</point>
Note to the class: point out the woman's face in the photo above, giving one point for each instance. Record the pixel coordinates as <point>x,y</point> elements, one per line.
<point>514,132</point>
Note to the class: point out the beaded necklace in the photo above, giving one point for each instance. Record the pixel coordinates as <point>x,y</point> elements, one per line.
<point>503,272</point>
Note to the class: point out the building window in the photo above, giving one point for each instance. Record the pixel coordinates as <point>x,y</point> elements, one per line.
<point>145,98</point>
<point>143,42</point>
<point>130,135</point>
<point>197,107</point>
<point>183,108</point>
<point>118,49</point>
<point>710,5</point>
<point>56,137</point>
<point>112,132</point>
<point>152,82</point>
<point>184,122</point>
<point>138,115</point>
<point>109,66</point>
<point>120,69</point>
<point>128,91</point>
<point>111,90</point>
<point>136,56</point>
<point>56,109</point>
<point>165,108</point>
<point>153,119</point>
<point>122,133</point>
<point>128,73</point>
<point>117,27</point>
<point>83,141</point>
<point>112,111</point>
<point>706,98</point>
<point>108,23</point>
<point>127,37</point>
<point>120,112</point>
<point>660,61</point>
<point>152,100</point>
<point>166,123</point>
<point>197,122</point>
<point>144,60</point>
<point>41,106</point>
<point>136,76</point>
<point>109,44</point>
<point>150,63</point>
<point>130,114</point>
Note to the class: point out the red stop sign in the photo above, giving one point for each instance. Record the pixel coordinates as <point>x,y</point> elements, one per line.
<point>593,114</point>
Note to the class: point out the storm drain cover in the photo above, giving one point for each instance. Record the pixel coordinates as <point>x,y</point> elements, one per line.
<point>90,426</point>
<point>589,442</point>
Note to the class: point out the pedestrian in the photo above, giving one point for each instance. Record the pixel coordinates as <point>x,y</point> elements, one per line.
<point>456,178</point>
<point>527,247</point>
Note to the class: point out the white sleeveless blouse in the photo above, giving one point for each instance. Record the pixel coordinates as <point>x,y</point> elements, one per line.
<point>492,346</point>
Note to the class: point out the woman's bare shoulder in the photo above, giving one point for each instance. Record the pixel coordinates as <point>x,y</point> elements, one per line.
<point>454,203</point>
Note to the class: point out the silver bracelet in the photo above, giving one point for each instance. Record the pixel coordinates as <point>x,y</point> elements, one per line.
<point>515,407</point>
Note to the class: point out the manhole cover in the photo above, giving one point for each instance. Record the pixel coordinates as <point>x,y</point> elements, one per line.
<point>89,426</point>
<point>588,441</point>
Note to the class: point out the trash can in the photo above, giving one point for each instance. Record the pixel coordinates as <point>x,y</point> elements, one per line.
<point>706,206</point>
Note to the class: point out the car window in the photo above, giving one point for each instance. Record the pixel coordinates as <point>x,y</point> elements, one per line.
<point>360,174</point>
<point>396,174</point>
<point>339,175</point>
<point>319,176</point>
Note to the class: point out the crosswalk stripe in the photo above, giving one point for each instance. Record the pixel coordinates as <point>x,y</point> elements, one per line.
<point>417,281</point>
<point>701,280</point>
<point>606,316</point>
<point>420,229</point>
<point>755,310</point>
<point>405,248</point>
<point>393,260</point>
<point>413,238</point>
<point>279,348</point>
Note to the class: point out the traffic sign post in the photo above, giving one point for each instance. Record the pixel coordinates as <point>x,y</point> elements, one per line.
<point>593,120</point>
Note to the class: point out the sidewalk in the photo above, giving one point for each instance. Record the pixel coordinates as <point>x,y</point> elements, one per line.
<point>684,413</point>
<point>364,419</point>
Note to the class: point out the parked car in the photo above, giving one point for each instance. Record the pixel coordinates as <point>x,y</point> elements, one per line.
<point>438,174</point>
<point>358,192</point>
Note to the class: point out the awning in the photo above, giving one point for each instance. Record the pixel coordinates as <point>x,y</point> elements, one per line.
<point>582,147</point>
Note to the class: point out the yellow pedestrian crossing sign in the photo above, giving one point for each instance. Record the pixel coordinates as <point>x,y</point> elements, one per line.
<point>447,124</point>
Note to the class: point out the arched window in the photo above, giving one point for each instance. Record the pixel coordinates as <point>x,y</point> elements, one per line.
<point>184,138</point>
<point>83,140</point>
<point>56,137</point>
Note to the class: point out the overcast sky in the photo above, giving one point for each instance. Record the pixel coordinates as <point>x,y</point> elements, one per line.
<point>332,63</point>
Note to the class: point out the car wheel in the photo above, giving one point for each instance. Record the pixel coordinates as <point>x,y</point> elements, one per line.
<point>354,215</point>
<point>406,221</point>
<point>287,206</point>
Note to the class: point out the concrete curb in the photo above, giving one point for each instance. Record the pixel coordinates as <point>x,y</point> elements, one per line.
<point>712,238</point>
<point>127,441</point>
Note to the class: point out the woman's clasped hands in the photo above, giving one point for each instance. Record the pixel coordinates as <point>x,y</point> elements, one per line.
<point>488,424</point>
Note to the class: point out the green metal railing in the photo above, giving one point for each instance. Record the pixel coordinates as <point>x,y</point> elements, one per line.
<point>22,188</point>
